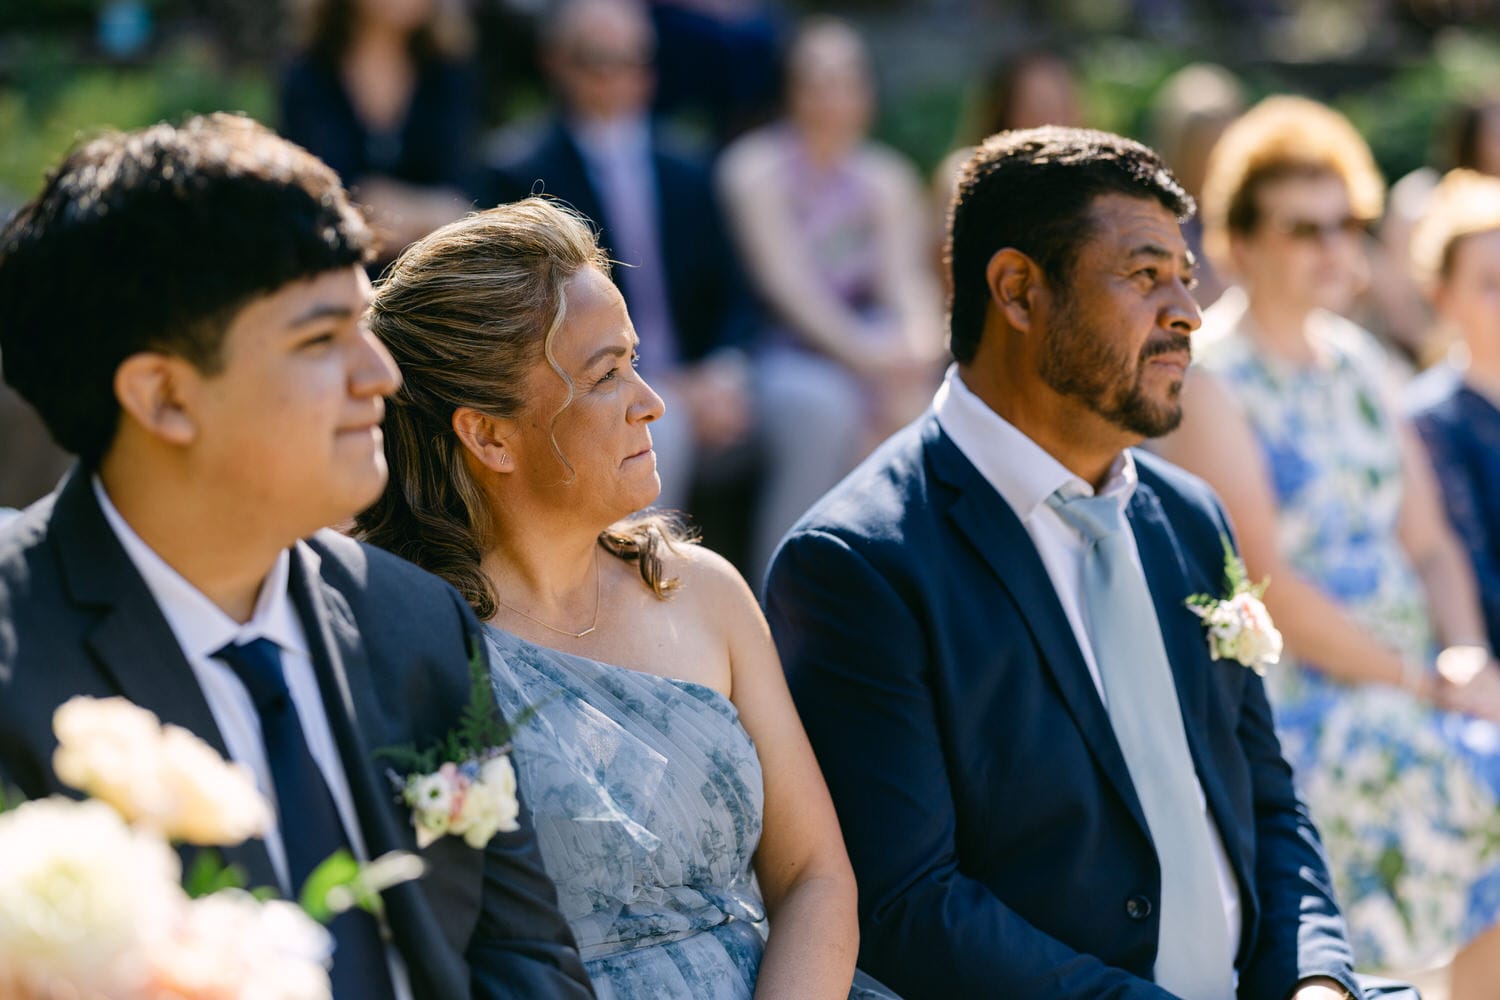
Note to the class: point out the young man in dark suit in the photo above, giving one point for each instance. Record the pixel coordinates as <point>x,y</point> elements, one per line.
<point>183,306</point>
<point>1049,787</point>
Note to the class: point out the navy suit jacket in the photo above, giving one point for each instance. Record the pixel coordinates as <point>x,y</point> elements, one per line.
<point>997,838</point>
<point>711,305</point>
<point>1461,430</point>
<point>389,646</point>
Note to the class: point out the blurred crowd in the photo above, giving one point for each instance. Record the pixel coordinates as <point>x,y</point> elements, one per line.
<point>783,271</point>
<point>783,268</point>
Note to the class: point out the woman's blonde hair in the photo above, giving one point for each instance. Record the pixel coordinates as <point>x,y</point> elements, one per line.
<point>468,312</point>
<point>1465,203</point>
<point>1281,137</point>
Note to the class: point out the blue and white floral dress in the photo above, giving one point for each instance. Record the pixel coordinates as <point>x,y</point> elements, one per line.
<point>1405,796</point>
<point>646,796</point>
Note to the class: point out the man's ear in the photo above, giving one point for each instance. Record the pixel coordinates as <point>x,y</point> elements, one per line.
<point>155,390</point>
<point>486,438</point>
<point>1018,288</point>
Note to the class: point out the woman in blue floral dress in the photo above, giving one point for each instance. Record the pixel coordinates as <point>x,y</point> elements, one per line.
<point>677,803</point>
<point>1290,416</point>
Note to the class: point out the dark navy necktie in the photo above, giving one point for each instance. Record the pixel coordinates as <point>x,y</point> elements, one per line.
<point>308,819</point>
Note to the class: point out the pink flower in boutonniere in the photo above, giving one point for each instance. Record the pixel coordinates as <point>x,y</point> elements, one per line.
<point>474,800</point>
<point>466,785</point>
<point>1239,626</point>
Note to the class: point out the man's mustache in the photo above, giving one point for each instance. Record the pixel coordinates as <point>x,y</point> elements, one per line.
<point>1175,343</point>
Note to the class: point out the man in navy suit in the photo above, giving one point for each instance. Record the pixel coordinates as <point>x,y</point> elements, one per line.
<point>654,204</point>
<point>184,308</point>
<point>1048,787</point>
<point>657,211</point>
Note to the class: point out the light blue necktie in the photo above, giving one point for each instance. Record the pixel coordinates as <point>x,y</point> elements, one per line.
<point>1193,956</point>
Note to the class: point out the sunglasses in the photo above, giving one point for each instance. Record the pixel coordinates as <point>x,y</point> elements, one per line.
<point>600,60</point>
<point>1311,230</point>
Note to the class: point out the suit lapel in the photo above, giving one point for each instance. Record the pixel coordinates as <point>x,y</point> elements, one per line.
<point>131,641</point>
<point>1003,542</point>
<point>349,699</point>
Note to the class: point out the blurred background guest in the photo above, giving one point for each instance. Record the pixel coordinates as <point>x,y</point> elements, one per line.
<point>1290,416</point>
<point>1469,139</point>
<point>717,61</point>
<point>384,92</point>
<point>1191,110</point>
<point>834,234</point>
<point>652,198</point>
<point>1455,405</point>
<point>1019,90</point>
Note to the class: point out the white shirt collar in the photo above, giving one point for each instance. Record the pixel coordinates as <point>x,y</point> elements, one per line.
<point>201,626</point>
<point>1019,469</point>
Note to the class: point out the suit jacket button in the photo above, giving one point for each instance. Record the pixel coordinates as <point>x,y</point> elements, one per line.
<point>1138,907</point>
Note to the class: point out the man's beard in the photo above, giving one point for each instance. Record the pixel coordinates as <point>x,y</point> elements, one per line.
<point>1080,361</point>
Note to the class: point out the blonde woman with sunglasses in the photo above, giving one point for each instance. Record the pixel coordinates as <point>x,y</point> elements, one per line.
<point>1387,697</point>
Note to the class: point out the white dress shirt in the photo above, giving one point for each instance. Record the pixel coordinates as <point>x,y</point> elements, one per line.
<point>202,628</point>
<point>1025,475</point>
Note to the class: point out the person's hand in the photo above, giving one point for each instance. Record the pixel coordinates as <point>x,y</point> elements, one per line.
<point>1321,988</point>
<point>717,396</point>
<point>1469,682</point>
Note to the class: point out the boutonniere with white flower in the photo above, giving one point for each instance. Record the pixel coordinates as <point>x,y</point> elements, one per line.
<point>464,786</point>
<point>1239,626</point>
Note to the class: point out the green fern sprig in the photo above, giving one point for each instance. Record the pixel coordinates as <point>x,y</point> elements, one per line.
<point>1236,577</point>
<point>481,729</point>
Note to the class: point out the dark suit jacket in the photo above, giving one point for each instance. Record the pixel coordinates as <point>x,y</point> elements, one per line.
<point>711,306</point>
<point>433,147</point>
<point>998,841</point>
<point>1461,430</point>
<point>389,647</point>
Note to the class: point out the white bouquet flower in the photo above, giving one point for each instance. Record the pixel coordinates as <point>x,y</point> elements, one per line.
<point>231,945</point>
<point>81,893</point>
<point>159,776</point>
<point>91,900</point>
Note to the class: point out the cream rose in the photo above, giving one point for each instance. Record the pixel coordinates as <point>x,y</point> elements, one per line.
<point>210,801</point>
<point>81,895</point>
<point>158,776</point>
<point>110,749</point>
<point>230,946</point>
<point>1240,629</point>
<point>490,805</point>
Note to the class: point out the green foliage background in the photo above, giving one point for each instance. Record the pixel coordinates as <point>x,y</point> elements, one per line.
<point>49,96</point>
<point>53,100</point>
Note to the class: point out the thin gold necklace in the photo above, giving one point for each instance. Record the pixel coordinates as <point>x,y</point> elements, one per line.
<point>562,631</point>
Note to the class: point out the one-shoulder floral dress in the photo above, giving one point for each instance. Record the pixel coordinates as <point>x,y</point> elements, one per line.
<point>1404,795</point>
<point>646,795</point>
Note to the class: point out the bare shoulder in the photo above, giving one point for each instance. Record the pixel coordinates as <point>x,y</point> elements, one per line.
<point>703,574</point>
<point>715,592</point>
